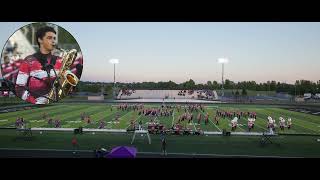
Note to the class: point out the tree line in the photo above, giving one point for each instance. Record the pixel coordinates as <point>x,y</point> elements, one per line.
<point>298,88</point>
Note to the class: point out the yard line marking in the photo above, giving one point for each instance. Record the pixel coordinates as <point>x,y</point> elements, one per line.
<point>125,114</point>
<point>300,119</point>
<point>260,127</point>
<point>36,120</point>
<point>110,122</point>
<point>172,117</point>
<point>212,122</point>
<point>255,123</point>
<point>134,121</point>
<point>195,129</point>
<point>215,125</point>
<point>241,127</point>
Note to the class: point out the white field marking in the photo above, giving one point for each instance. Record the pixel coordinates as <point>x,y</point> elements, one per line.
<point>259,126</point>
<point>125,115</point>
<point>305,126</point>
<point>316,113</point>
<point>113,112</point>
<point>108,126</point>
<point>217,155</point>
<point>134,121</point>
<point>113,122</point>
<point>172,117</point>
<point>117,122</point>
<point>156,153</point>
<point>36,120</point>
<point>3,120</point>
<point>195,129</point>
<point>240,127</point>
<point>306,121</point>
<point>211,107</point>
<point>212,122</point>
<point>73,121</point>
<point>155,119</point>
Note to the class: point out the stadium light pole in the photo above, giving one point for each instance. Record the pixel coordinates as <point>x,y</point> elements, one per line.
<point>223,61</point>
<point>114,62</point>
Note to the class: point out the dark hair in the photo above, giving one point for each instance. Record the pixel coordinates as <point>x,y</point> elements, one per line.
<point>42,32</point>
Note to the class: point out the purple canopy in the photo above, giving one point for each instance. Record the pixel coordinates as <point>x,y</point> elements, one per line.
<point>122,152</point>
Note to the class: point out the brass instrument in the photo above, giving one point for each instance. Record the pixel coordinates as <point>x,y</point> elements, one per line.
<point>65,79</point>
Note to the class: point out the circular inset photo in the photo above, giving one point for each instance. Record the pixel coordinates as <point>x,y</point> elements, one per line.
<point>41,63</point>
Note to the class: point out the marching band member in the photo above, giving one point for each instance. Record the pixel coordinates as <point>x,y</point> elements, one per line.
<point>250,124</point>
<point>289,123</point>
<point>282,122</point>
<point>34,74</point>
<point>216,118</point>
<point>253,120</point>
<point>270,123</point>
<point>234,124</point>
<point>206,118</point>
<point>199,118</point>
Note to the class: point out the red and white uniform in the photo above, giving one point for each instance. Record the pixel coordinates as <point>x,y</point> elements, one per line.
<point>270,122</point>
<point>289,123</point>
<point>282,122</point>
<point>32,81</point>
<point>16,65</point>
<point>234,124</point>
<point>250,123</point>
<point>10,70</point>
<point>7,71</point>
<point>73,67</point>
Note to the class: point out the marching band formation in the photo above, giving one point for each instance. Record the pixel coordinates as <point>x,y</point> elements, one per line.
<point>181,125</point>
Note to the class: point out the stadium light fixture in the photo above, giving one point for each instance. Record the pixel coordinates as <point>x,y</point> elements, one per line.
<point>223,61</point>
<point>114,62</point>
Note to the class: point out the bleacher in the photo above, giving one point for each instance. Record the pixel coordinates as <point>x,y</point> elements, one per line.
<point>167,94</point>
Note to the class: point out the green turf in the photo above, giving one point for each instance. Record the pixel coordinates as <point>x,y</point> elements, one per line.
<point>70,117</point>
<point>288,146</point>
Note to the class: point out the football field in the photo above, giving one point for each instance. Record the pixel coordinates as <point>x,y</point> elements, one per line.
<point>70,116</point>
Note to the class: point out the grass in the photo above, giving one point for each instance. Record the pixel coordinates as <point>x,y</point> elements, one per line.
<point>69,113</point>
<point>70,117</point>
<point>286,146</point>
